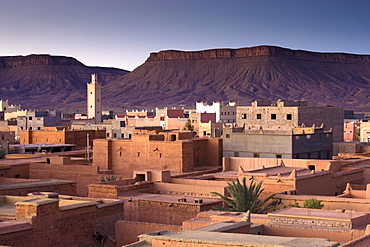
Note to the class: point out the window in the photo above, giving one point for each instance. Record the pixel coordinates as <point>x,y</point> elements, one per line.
<point>244,116</point>
<point>227,135</point>
<point>161,119</point>
<point>91,106</point>
<point>30,128</point>
<point>259,116</point>
<point>308,137</point>
<point>236,154</point>
<point>288,116</point>
<point>278,156</point>
<point>114,135</point>
<point>90,92</point>
<point>273,116</point>
<point>122,135</point>
<point>256,155</point>
<point>29,118</point>
<point>38,128</point>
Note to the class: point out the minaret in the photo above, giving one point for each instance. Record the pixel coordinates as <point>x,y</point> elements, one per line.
<point>94,99</point>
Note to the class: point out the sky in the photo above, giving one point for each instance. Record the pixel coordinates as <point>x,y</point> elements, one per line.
<point>122,33</point>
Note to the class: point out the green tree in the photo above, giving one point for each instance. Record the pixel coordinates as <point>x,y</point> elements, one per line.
<point>313,203</point>
<point>246,198</point>
<point>188,126</point>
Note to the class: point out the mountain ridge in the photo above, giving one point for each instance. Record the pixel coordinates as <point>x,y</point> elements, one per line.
<point>46,81</point>
<point>172,78</point>
<point>177,55</point>
<point>180,78</point>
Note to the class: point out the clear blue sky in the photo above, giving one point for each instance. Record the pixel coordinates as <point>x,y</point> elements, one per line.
<point>122,33</point>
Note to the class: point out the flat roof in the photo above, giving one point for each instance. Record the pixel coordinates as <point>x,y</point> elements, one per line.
<point>31,184</point>
<point>220,238</point>
<point>171,199</point>
<point>42,145</point>
<point>316,213</point>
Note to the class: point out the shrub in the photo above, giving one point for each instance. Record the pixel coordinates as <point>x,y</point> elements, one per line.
<point>313,203</point>
<point>109,178</point>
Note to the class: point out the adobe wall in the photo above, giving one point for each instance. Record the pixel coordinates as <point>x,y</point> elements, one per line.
<point>340,235</point>
<point>162,212</point>
<point>200,182</point>
<point>329,202</point>
<point>31,137</point>
<point>78,137</point>
<point>188,189</point>
<point>13,171</point>
<point>214,151</point>
<point>363,241</point>
<point>127,231</point>
<point>233,163</point>
<point>113,190</point>
<point>82,174</point>
<point>106,217</point>
<point>320,184</point>
<point>21,190</point>
<point>124,156</point>
<point>248,144</point>
<point>56,228</point>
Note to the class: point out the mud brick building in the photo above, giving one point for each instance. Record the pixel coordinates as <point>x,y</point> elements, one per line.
<point>174,151</point>
<point>287,114</point>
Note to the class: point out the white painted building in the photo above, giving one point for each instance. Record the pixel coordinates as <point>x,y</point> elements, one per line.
<point>225,112</point>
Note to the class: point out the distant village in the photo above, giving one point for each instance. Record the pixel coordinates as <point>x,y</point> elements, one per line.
<point>177,177</point>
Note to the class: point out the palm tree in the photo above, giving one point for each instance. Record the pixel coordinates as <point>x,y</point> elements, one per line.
<point>245,198</point>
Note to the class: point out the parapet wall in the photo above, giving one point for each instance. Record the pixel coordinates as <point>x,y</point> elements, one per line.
<point>188,190</point>
<point>233,163</point>
<point>127,231</point>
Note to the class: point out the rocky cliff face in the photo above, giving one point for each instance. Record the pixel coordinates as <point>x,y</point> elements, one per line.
<point>173,55</point>
<point>172,78</point>
<point>44,81</point>
<point>37,60</point>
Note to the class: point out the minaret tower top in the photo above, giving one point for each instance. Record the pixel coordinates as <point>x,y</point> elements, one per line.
<point>94,78</point>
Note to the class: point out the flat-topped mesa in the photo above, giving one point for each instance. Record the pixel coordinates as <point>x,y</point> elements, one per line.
<point>175,55</point>
<point>32,60</point>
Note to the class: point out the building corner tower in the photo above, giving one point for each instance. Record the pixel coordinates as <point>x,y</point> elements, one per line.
<point>94,109</point>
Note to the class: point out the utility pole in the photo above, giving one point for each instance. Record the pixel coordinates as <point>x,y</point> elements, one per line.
<point>87,156</point>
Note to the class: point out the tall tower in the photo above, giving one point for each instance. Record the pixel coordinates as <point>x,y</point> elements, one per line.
<point>94,99</point>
